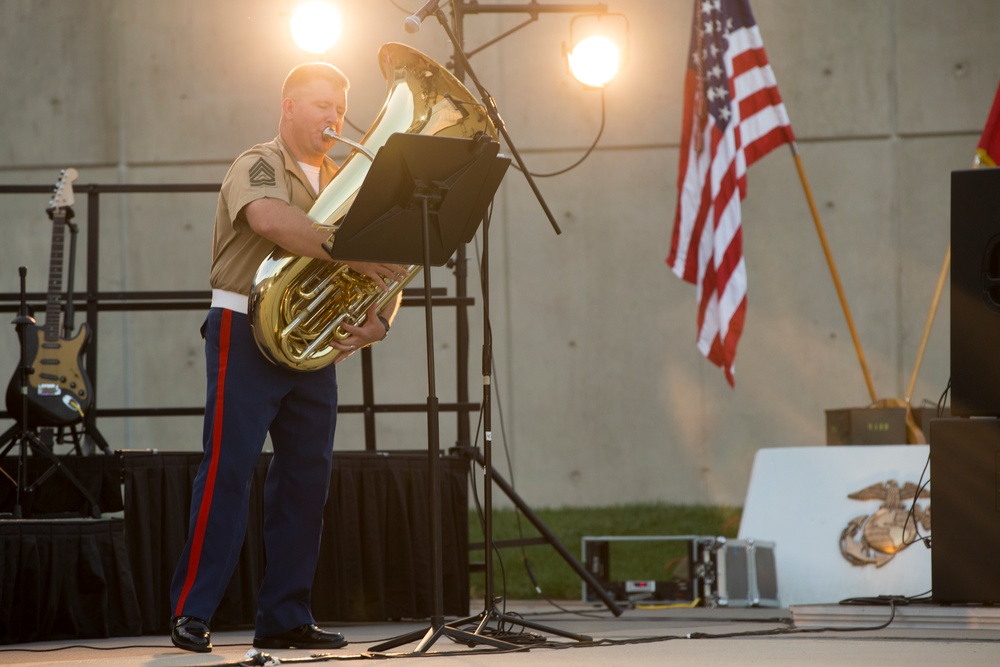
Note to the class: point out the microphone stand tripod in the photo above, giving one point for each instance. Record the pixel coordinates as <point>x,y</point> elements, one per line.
<point>490,614</point>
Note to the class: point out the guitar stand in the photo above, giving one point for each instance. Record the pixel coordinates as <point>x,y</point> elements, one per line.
<point>78,437</point>
<point>90,433</point>
<point>22,437</point>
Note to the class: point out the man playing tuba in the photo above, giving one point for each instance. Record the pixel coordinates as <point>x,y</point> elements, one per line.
<point>261,206</point>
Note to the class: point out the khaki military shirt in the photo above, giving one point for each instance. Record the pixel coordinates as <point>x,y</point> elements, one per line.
<point>266,170</point>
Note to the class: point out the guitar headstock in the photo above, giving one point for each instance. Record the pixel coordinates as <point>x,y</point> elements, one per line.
<point>62,196</point>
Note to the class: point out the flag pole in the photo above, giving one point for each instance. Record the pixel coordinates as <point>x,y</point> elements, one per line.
<point>930,321</point>
<point>833,268</point>
<point>934,304</point>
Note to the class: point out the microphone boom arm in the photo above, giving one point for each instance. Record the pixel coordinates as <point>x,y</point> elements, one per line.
<point>491,110</point>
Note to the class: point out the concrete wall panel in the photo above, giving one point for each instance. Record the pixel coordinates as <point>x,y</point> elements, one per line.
<point>832,61</point>
<point>947,68</point>
<point>190,92</point>
<point>59,77</point>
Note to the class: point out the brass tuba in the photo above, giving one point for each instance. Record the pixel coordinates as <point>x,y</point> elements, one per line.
<point>297,304</point>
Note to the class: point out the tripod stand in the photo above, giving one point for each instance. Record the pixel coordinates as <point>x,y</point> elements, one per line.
<point>417,183</point>
<point>26,439</point>
<point>490,613</point>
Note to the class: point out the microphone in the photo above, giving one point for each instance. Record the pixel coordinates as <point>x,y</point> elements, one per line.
<point>412,23</point>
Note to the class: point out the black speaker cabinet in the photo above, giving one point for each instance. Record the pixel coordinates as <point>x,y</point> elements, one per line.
<point>975,292</point>
<point>965,510</point>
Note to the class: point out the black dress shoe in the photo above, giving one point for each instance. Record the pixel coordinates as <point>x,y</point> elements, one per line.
<point>304,636</point>
<point>191,634</point>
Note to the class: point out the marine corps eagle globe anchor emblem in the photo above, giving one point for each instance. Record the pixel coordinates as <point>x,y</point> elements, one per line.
<point>890,529</point>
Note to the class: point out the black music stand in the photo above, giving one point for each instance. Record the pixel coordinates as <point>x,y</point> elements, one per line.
<point>422,197</point>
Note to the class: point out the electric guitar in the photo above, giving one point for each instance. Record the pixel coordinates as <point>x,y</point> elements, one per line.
<point>59,393</point>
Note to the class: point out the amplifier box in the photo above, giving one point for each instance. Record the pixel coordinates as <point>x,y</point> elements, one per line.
<point>965,489</point>
<point>691,570</point>
<point>746,573</point>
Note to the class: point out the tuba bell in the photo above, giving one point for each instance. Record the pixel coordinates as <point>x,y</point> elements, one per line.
<point>298,304</point>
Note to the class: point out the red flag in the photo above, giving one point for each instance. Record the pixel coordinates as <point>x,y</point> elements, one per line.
<point>733,116</point>
<point>988,152</point>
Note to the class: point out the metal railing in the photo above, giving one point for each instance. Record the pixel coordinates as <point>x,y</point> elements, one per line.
<point>93,302</point>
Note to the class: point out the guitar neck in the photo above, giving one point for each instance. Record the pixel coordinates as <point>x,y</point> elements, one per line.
<point>53,303</point>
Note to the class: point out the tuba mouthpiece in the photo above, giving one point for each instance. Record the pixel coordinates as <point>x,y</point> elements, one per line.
<point>330,134</point>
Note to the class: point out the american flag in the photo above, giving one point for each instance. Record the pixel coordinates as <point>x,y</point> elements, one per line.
<point>733,116</point>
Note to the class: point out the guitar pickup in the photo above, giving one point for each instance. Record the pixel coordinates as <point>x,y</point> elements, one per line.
<point>49,376</point>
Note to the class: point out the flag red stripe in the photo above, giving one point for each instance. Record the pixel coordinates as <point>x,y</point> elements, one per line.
<point>707,294</point>
<point>734,250</point>
<point>766,144</point>
<point>757,102</point>
<point>732,338</point>
<point>749,59</point>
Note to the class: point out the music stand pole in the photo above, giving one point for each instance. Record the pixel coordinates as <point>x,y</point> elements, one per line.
<point>433,436</point>
<point>451,180</point>
<point>490,612</point>
<point>437,628</point>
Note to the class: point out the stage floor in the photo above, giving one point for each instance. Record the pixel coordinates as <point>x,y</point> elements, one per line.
<point>967,636</point>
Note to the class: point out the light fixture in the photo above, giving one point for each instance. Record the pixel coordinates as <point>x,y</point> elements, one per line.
<point>315,26</point>
<point>597,49</point>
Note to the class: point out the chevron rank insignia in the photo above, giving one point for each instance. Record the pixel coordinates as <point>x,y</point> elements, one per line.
<point>261,173</point>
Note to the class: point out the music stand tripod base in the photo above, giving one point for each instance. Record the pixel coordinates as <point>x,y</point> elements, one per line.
<point>422,197</point>
<point>426,639</point>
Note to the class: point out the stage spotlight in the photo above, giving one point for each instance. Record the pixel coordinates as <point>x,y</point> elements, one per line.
<point>597,50</point>
<point>316,26</point>
<point>594,61</point>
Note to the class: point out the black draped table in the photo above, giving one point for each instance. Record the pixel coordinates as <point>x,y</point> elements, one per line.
<point>63,579</point>
<point>374,560</point>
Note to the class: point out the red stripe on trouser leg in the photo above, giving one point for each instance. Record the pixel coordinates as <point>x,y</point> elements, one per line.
<point>206,501</point>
